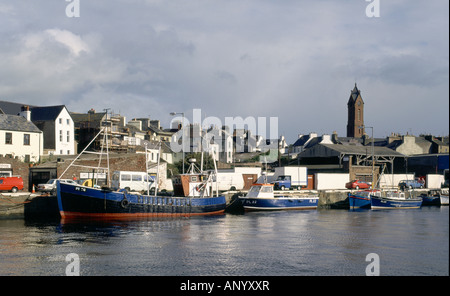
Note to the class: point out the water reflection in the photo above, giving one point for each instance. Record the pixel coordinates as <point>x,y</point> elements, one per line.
<point>322,242</point>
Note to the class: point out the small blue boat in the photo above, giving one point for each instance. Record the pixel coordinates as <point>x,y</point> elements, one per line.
<point>261,197</point>
<point>431,198</point>
<point>361,199</point>
<point>394,200</point>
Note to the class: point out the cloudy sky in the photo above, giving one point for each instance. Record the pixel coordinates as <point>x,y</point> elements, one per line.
<point>296,60</point>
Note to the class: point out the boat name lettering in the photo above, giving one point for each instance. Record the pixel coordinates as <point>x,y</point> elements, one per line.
<point>80,189</point>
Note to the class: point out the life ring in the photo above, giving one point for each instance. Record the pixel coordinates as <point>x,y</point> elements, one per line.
<point>199,187</point>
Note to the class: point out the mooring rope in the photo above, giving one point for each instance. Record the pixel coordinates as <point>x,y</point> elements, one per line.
<point>4,198</point>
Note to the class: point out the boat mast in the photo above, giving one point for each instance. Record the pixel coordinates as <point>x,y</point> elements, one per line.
<point>215,171</point>
<point>157,170</point>
<point>107,145</point>
<point>84,151</point>
<point>146,167</point>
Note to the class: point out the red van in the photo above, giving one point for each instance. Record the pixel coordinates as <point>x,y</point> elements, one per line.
<point>12,184</point>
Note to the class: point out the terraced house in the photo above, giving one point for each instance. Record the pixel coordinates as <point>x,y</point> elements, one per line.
<point>20,138</point>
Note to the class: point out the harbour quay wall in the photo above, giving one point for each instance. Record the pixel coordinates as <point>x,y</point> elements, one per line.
<point>333,199</point>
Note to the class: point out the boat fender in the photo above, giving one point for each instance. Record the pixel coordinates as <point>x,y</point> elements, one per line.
<point>124,203</point>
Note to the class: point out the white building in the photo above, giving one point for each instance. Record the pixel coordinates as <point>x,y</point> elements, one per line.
<point>220,144</point>
<point>20,138</point>
<point>58,128</point>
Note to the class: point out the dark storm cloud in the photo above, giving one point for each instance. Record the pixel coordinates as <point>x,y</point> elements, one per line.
<point>296,60</point>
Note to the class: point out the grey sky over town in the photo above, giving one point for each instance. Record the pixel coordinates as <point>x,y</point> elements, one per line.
<point>292,59</point>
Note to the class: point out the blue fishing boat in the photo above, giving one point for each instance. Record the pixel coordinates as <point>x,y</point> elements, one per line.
<point>195,197</point>
<point>361,199</point>
<point>261,197</point>
<point>76,201</point>
<point>394,200</point>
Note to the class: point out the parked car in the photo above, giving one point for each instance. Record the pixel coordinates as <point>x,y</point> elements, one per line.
<point>50,186</point>
<point>410,184</point>
<point>12,184</point>
<point>357,184</point>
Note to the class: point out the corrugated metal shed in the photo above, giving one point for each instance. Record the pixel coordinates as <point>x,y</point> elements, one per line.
<point>361,154</point>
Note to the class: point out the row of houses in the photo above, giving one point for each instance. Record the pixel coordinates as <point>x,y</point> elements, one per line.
<point>30,133</point>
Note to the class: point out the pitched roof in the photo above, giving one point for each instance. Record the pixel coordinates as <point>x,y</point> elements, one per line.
<point>48,113</point>
<point>17,123</point>
<point>11,108</point>
<point>93,117</point>
<point>327,150</point>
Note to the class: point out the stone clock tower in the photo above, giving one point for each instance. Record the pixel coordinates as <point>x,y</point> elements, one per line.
<point>355,105</point>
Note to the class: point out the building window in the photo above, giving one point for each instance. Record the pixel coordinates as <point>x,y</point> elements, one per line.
<point>68,136</point>
<point>26,139</point>
<point>60,136</point>
<point>68,121</point>
<point>8,138</point>
<point>60,121</point>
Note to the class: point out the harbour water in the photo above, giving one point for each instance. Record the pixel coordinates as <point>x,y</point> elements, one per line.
<point>289,243</point>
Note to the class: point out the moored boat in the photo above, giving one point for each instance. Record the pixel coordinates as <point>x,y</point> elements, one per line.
<point>444,197</point>
<point>431,198</point>
<point>394,200</point>
<point>76,201</point>
<point>261,197</point>
<point>361,199</point>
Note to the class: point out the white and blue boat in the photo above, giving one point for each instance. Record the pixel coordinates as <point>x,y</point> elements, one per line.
<point>261,197</point>
<point>394,200</point>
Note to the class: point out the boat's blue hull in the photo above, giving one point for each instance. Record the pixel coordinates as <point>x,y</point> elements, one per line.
<point>430,200</point>
<point>279,203</point>
<point>81,201</point>
<point>389,203</point>
<point>358,202</point>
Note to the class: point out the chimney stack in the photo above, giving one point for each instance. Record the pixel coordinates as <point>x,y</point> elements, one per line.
<point>25,112</point>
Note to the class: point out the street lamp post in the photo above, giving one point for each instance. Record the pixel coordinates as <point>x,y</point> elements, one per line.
<point>182,126</point>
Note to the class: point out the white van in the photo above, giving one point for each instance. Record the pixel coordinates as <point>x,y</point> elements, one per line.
<point>132,181</point>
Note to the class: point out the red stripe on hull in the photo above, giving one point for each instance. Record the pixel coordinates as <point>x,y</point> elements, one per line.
<point>75,215</point>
